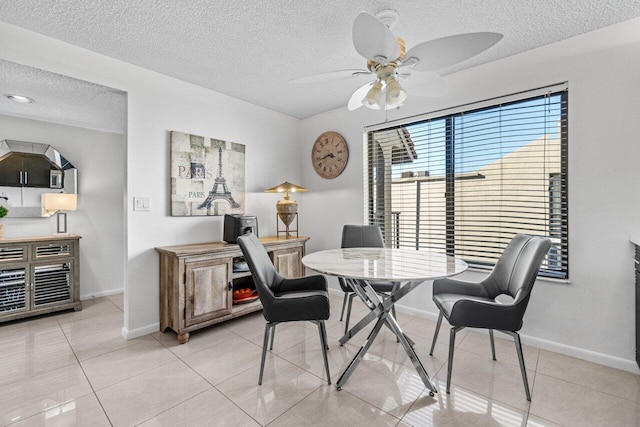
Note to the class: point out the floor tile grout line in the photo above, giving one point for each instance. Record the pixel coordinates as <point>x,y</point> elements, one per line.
<point>180,402</point>
<point>341,391</point>
<point>532,387</point>
<point>91,301</point>
<point>86,377</point>
<point>493,399</point>
<point>134,376</point>
<point>597,390</point>
<point>49,408</point>
<point>453,383</point>
<point>413,402</point>
<point>294,405</point>
<point>62,326</point>
<point>64,341</point>
<point>113,351</point>
<point>600,390</point>
<point>236,405</point>
<point>174,406</point>
<point>300,367</point>
<point>275,341</point>
<point>213,386</point>
<point>89,381</point>
<point>207,347</point>
<point>233,401</point>
<point>239,373</point>
<point>136,340</point>
<point>279,355</point>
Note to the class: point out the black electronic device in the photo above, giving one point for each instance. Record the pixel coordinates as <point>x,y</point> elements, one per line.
<point>237,225</point>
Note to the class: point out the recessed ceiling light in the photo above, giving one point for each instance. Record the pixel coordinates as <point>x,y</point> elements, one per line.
<point>20,98</point>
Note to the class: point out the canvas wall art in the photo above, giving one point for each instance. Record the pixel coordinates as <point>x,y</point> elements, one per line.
<point>207,176</point>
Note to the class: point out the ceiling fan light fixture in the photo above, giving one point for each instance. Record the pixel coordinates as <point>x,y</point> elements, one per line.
<point>396,95</point>
<point>373,97</point>
<point>394,66</point>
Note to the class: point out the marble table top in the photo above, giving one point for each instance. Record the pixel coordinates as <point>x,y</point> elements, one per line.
<point>384,264</point>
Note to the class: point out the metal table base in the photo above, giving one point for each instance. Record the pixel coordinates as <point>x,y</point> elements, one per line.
<point>381,310</point>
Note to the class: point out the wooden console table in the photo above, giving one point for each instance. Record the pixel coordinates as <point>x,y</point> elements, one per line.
<point>197,281</point>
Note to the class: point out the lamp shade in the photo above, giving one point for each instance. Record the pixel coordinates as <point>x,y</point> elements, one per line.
<point>59,202</point>
<point>396,95</point>
<point>286,187</point>
<point>372,99</point>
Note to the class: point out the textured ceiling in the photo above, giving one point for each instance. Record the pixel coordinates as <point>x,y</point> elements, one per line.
<point>252,49</point>
<point>60,99</point>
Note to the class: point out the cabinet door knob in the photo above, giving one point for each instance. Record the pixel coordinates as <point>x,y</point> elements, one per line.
<point>230,286</point>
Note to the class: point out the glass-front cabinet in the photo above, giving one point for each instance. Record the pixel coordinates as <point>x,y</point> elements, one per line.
<point>38,275</point>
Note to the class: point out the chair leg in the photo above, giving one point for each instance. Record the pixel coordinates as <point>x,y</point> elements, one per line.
<point>344,304</point>
<point>516,340</point>
<point>267,329</point>
<point>346,323</point>
<point>273,335</point>
<point>493,345</point>
<point>452,344</point>
<point>322,330</point>
<point>435,335</point>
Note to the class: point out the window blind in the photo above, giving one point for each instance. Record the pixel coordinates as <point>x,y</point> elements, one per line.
<point>466,182</point>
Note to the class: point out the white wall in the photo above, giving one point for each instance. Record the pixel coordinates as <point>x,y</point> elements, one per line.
<point>99,158</point>
<point>593,317</point>
<point>158,104</point>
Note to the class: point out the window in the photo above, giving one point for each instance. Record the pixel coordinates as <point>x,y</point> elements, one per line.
<point>466,182</point>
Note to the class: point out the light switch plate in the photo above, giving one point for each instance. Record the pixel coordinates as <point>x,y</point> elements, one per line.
<point>141,204</point>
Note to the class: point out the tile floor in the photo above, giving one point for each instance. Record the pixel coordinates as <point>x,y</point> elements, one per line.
<point>74,368</point>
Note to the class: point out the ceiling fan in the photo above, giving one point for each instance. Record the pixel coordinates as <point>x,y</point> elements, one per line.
<point>394,68</point>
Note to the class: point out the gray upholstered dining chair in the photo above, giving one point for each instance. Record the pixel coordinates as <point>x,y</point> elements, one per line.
<point>286,300</point>
<point>474,305</point>
<point>361,236</point>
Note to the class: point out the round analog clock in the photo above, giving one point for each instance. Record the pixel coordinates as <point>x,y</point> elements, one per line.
<point>329,155</point>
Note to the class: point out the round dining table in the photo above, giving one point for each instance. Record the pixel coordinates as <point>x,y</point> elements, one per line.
<point>405,268</point>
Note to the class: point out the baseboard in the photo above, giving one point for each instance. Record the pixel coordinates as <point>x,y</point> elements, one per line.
<point>580,353</point>
<point>101,294</point>
<point>140,332</point>
<point>567,350</point>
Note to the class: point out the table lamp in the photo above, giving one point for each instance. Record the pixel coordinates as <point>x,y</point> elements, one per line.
<point>60,203</point>
<point>286,208</point>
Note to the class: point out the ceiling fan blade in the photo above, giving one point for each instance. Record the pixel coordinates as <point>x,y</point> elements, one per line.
<point>355,101</point>
<point>373,40</point>
<point>426,85</point>
<point>332,75</point>
<point>446,51</point>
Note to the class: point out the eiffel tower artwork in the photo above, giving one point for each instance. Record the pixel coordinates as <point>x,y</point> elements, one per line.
<point>219,190</point>
<point>198,187</point>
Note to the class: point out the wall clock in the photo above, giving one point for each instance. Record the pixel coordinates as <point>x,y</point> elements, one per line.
<point>329,155</point>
